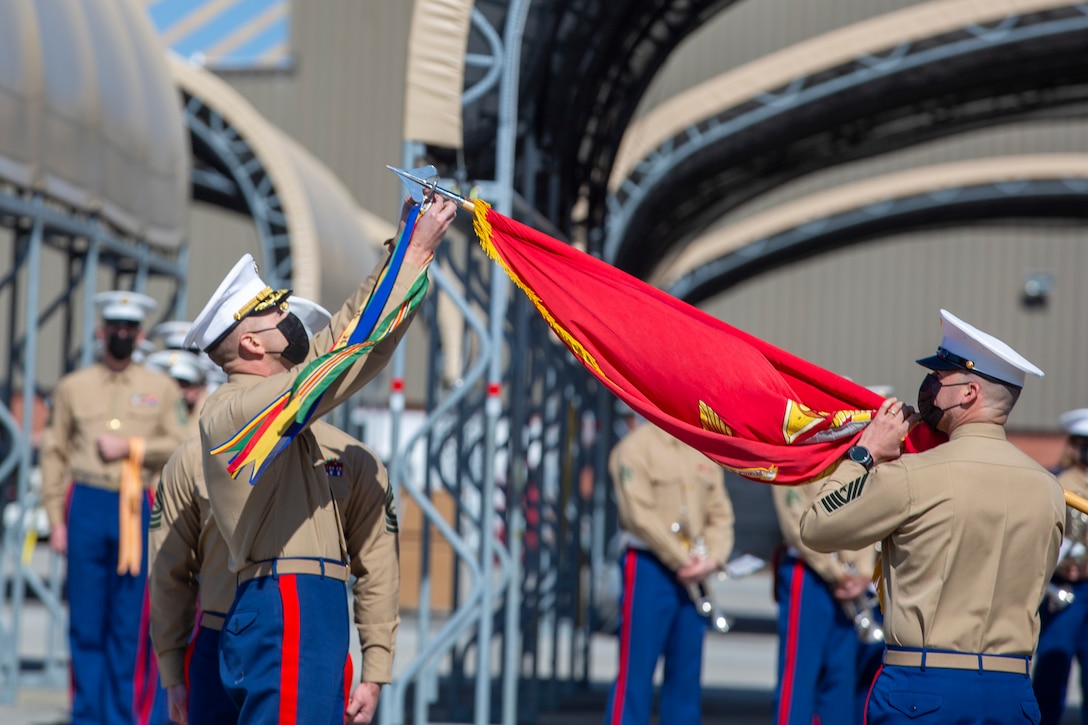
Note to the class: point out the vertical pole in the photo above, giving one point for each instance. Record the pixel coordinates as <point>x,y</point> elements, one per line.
<point>30,366</point>
<point>181,298</point>
<point>90,271</point>
<point>504,175</point>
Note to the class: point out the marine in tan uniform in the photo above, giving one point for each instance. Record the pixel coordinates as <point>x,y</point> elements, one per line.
<point>185,368</point>
<point>678,523</point>
<point>189,558</point>
<point>113,426</point>
<point>1064,613</point>
<point>969,531</point>
<point>817,641</point>
<point>284,537</point>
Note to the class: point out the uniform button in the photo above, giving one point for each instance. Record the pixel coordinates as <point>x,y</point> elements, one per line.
<point>114,424</point>
<point>913,707</point>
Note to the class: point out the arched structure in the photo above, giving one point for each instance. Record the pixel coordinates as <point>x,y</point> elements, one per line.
<point>309,227</point>
<point>93,185</point>
<point>1038,186</point>
<point>569,129</point>
<point>937,68</point>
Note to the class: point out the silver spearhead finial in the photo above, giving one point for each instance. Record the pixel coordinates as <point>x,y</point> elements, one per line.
<point>431,184</point>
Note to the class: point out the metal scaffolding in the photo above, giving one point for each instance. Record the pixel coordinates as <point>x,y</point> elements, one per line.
<point>87,246</point>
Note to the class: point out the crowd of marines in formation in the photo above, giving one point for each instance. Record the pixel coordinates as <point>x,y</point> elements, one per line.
<point>200,596</point>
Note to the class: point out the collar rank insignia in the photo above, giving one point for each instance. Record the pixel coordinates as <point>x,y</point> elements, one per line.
<point>334,467</point>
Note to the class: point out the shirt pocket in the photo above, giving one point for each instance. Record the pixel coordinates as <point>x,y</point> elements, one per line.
<point>143,413</point>
<point>91,415</point>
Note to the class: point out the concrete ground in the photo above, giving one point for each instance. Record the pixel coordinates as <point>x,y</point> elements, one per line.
<point>738,668</point>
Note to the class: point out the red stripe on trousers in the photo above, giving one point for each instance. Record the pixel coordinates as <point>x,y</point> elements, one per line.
<point>146,685</point>
<point>289,654</point>
<point>629,568</point>
<point>349,674</point>
<point>67,515</point>
<point>785,697</point>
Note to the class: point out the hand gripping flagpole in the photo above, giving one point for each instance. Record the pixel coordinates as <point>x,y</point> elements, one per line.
<point>432,186</point>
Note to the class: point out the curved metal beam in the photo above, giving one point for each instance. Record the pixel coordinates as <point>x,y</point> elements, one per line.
<point>1040,186</point>
<point>751,129</point>
<point>235,178</point>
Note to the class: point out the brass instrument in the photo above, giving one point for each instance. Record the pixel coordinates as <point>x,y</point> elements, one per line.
<point>861,610</point>
<point>1060,596</point>
<point>701,594</point>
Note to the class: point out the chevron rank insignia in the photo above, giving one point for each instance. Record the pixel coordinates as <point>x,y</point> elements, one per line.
<point>156,509</point>
<point>391,525</point>
<point>835,500</point>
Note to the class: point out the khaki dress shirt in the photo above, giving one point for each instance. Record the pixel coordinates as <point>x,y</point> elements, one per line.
<point>134,403</point>
<point>660,481</point>
<point>289,511</point>
<point>790,503</point>
<point>970,530</point>
<point>189,556</point>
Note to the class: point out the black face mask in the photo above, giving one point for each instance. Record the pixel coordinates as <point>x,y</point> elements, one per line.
<point>120,347</point>
<point>929,413</point>
<point>298,342</point>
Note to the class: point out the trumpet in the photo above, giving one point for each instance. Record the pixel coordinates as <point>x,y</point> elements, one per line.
<point>702,595</point>
<point>861,610</point>
<point>1058,597</point>
<point>707,605</point>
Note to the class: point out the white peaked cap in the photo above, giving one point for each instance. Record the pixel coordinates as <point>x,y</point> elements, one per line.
<point>965,347</point>
<point>178,364</point>
<point>241,294</point>
<point>172,333</point>
<point>314,317</point>
<point>122,306</point>
<point>1075,422</point>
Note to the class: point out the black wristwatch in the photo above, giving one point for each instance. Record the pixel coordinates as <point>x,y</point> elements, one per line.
<point>860,454</point>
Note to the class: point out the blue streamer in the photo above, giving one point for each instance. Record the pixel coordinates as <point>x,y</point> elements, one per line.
<point>374,306</point>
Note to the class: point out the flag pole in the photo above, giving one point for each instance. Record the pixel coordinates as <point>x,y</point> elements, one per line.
<point>1078,502</point>
<point>466,204</point>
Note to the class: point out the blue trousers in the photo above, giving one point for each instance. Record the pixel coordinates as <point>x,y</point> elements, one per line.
<point>913,696</point>
<point>208,699</point>
<point>658,618</point>
<point>1064,635</point>
<point>107,634</point>
<point>817,651</point>
<point>283,648</point>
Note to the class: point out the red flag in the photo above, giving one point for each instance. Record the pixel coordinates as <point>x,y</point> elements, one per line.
<point>755,409</point>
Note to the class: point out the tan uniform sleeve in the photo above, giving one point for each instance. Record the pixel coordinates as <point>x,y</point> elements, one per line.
<point>371,364</point>
<point>855,508</point>
<point>790,503</point>
<point>53,457</point>
<point>173,538</point>
<point>257,397</point>
<point>168,434</point>
<point>635,503</point>
<point>371,530</point>
<point>718,533</point>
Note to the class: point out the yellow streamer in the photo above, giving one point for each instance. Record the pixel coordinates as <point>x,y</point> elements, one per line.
<point>130,510</point>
